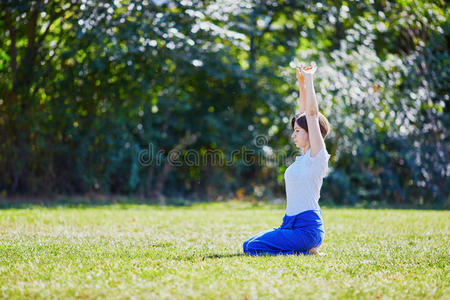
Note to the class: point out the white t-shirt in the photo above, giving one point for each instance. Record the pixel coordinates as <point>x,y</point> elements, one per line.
<point>304,179</point>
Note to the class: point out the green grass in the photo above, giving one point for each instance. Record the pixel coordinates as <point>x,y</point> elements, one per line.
<point>122,251</point>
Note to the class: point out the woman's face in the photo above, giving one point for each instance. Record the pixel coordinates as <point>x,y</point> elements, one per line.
<point>300,137</point>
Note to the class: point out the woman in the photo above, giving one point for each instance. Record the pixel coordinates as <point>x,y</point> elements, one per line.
<point>302,229</point>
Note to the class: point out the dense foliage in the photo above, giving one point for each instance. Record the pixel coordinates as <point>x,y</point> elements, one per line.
<point>88,87</point>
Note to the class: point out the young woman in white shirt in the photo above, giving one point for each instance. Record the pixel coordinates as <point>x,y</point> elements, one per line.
<point>302,230</point>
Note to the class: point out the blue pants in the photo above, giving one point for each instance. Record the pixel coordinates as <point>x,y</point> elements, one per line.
<point>296,235</point>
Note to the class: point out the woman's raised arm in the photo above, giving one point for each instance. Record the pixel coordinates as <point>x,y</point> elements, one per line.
<point>301,90</point>
<point>316,141</point>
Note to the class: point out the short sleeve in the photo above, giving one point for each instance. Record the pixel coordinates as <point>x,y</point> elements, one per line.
<point>319,163</point>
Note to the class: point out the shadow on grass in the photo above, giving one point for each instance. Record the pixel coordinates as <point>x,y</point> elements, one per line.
<point>215,256</point>
<point>207,256</point>
<point>224,255</point>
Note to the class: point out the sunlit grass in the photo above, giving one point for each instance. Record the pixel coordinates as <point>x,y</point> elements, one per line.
<point>196,252</point>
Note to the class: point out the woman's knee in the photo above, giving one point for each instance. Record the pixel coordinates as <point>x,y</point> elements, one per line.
<point>248,249</point>
<point>255,247</point>
<point>251,247</point>
<point>253,244</point>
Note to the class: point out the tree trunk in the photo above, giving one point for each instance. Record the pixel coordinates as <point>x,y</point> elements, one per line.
<point>157,192</point>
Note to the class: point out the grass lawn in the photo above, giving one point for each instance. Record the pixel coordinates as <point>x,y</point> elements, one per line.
<point>124,251</point>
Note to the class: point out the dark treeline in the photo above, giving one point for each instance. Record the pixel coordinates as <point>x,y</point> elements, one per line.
<point>88,87</point>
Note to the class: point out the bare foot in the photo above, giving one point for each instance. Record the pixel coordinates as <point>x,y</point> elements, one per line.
<point>315,251</point>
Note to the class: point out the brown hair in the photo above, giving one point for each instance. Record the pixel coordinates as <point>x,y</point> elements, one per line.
<point>300,119</point>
